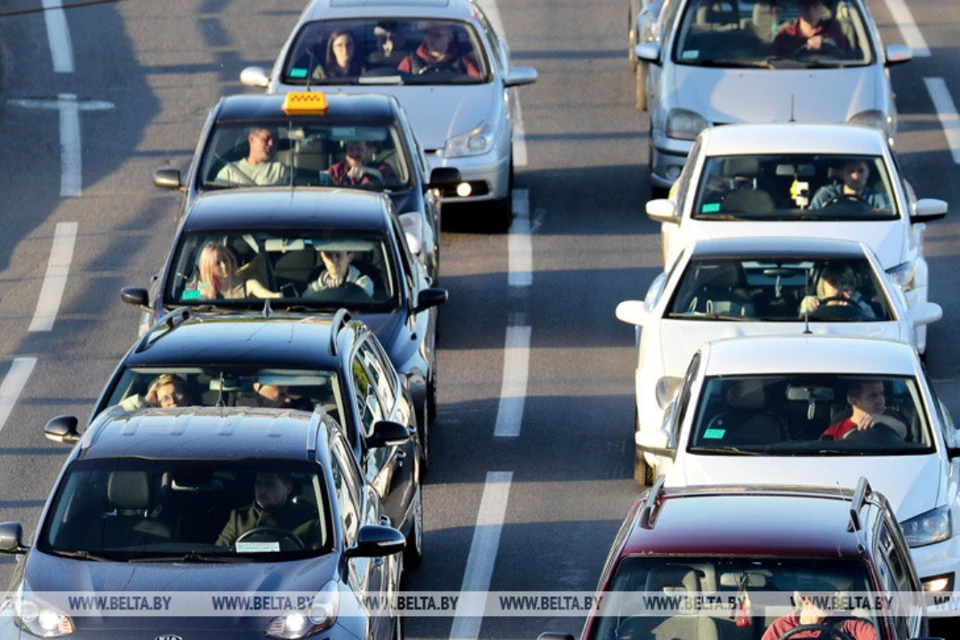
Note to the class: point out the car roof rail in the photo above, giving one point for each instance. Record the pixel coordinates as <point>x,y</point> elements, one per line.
<point>859,499</point>
<point>167,322</point>
<point>646,517</point>
<point>340,318</point>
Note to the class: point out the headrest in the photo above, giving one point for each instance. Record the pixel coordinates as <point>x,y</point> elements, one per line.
<point>741,166</point>
<point>746,394</point>
<point>724,274</point>
<point>129,489</point>
<point>673,578</point>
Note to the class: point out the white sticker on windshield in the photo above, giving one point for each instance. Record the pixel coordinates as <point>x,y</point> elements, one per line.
<point>258,547</point>
<point>691,54</point>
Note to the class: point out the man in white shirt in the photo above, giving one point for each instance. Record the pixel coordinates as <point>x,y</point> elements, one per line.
<point>258,168</point>
<point>338,273</point>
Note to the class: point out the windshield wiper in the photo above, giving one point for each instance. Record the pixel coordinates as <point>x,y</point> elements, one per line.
<point>735,63</point>
<point>727,449</point>
<point>194,558</point>
<point>713,316</point>
<point>80,554</point>
<point>211,184</point>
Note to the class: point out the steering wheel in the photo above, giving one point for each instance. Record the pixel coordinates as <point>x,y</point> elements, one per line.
<point>373,175</point>
<point>273,531</point>
<point>877,434</point>
<point>827,47</point>
<point>831,631</point>
<point>847,197</point>
<point>849,310</point>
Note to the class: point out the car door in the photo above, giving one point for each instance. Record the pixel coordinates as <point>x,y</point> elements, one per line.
<point>896,574</point>
<point>674,416</point>
<point>676,235</point>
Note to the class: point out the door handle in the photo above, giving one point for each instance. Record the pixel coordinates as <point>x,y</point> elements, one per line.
<point>401,456</point>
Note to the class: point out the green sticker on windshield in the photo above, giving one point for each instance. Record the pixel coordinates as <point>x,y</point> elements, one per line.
<point>297,72</point>
<point>710,208</point>
<point>190,294</point>
<point>714,434</point>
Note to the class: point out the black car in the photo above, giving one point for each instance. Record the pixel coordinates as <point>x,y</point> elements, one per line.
<point>194,506</point>
<point>287,362</point>
<point>278,243</point>
<point>312,133</point>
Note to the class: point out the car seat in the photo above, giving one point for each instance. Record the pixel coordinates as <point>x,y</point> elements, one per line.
<point>747,420</point>
<point>719,290</point>
<point>673,580</point>
<point>753,196</point>
<point>129,523</point>
<point>766,20</point>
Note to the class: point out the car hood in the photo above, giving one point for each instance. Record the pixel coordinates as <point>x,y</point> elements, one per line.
<point>911,483</point>
<point>887,238</point>
<point>817,95</point>
<point>677,346</point>
<point>438,112</point>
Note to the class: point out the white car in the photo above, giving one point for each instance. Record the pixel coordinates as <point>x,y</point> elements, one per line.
<point>731,287</point>
<point>721,63</point>
<point>777,410</point>
<point>792,179</point>
<point>462,105</point>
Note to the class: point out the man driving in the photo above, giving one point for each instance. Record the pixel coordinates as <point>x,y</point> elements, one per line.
<point>271,508</point>
<point>855,175</point>
<point>811,614</point>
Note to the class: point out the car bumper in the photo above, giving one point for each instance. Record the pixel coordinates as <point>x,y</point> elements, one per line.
<point>667,158</point>
<point>488,175</point>
<point>937,561</point>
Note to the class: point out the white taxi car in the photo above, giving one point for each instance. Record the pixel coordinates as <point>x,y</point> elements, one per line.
<point>444,62</point>
<point>821,410</point>
<point>731,287</point>
<point>815,180</point>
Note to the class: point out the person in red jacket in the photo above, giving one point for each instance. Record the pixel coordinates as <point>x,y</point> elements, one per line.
<point>810,613</point>
<point>809,33</point>
<point>869,402</point>
<point>439,52</point>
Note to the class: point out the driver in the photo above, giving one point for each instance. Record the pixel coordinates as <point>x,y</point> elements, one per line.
<point>358,168</point>
<point>856,174</point>
<point>867,399</point>
<point>837,285</point>
<point>271,508</point>
<point>811,614</point>
<point>440,51</point>
<point>338,272</point>
<point>809,32</point>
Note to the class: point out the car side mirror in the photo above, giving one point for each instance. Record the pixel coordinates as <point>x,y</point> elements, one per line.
<point>555,635</point>
<point>648,52</point>
<point>11,538</point>
<point>925,313</point>
<point>167,178</point>
<point>520,76</point>
<point>633,312</point>
<point>656,441</point>
<point>428,298</point>
<point>929,209</point>
<point>376,541</point>
<point>254,77</point>
<point>444,177</point>
<point>62,429</point>
<point>663,210</point>
<point>898,54</point>
<point>387,433</point>
<point>136,296</point>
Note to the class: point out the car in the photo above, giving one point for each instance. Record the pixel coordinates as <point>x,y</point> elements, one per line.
<point>766,547</point>
<point>163,501</point>
<point>729,287</point>
<point>279,239</point>
<point>462,113</point>
<point>787,179</point>
<point>333,363</point>
<point>821,410</point>
<point>645,22</point>
<point>713,54</point>
<point>313,132</point>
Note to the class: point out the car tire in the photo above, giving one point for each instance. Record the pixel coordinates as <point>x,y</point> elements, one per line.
<point>432,396</point>
<point>503,210</point>
<point>641,79</point>
<point>413,552</point>
<point>632,36</point>
<point>641,470</point>
<point>423,434</point>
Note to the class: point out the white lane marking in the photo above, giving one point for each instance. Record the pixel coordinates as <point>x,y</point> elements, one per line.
<point>71,169</point>
<point>908,28</point>
<point>55,281</point>
<point>519,137</point>
<point>483,552</point>
<point>61,48</point>
<point>13,384</point>
<point>519,246</point>
<point>947,113</point>
<point>513,392</point>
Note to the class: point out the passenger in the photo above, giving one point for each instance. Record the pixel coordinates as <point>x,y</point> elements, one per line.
<point>390,50</point>
<point>439,52</point>
<point>338,272</point>
<point>856,174</point>
<point>838,286</point>
<point>220,276</point>
<point>341,59</point>
<point>810,613</point>
<point>356,168</point>
<point>258,168</point>
<point>166,391</point>
<point>809,32</point>
<point>276,397</point>
<point>867,399</point>
<point>271,508</point>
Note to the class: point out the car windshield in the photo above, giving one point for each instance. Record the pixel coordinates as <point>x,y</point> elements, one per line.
<point>795,187</point>
<point>655,596</point>
<point>387,51</point>
<point>768,34</point>
<point>294,269</point>
<point>779,290</point>
<point>275,153</point>
<point>807,414</point>
<point>131,509</point>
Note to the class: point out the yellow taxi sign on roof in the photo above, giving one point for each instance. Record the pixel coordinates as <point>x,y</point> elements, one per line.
<point>304,102</point>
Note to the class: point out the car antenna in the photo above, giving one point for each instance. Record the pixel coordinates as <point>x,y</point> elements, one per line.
<point>267,309</point>
<point>806,310</point>
<point>793,117</point>
<point>220,402</point>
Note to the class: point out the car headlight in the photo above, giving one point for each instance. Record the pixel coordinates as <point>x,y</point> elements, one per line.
<point>904,275</point>
<point>928,528</point>
<point>871,118</point>
<point>472,143</point>
<point>684,124</point>
<point>38,617</point>
<point>299,624</point>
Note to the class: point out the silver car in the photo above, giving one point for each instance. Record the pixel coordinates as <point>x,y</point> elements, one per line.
<point>730,61</point>
<point>442,60</point>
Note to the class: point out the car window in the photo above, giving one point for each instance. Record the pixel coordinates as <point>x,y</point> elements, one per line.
<point>779,290</point>
<point>795,188</point>
<point>127,509</point>
<point>763,34</point>
<point>291,267</point>
<point>347,484</point>
<point>368,403</point>
<point>807,414</point>
<point>383,379</point>
<point>499,48</point>
<point>388,51</point>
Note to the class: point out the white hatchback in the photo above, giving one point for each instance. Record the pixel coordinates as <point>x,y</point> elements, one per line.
<point>827,181</point>
<point>821,410</point>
